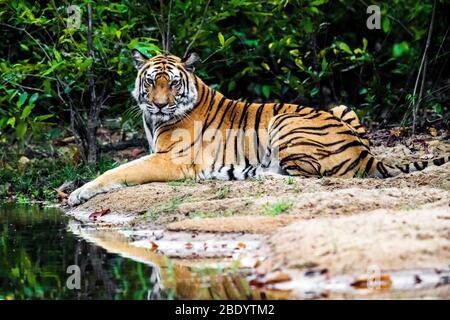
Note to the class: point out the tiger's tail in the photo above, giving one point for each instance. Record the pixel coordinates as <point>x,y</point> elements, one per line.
<point>383,170</point>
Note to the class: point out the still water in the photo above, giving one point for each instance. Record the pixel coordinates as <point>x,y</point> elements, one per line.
<point>37,251</point>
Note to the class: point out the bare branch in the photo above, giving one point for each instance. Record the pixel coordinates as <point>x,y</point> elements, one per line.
<point>22,86</point>
<point>168,27</point>
<point>422,67</point>
<point>94,108</point>
<point>198,30</point>
<point>163,32</point>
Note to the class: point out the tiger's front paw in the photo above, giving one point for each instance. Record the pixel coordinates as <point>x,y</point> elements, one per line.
<point>83,194</point>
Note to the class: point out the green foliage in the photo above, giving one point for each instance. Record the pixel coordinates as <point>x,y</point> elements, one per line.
<point>314,52</point>
<point>223,192</point>
<point>168,206</point>
<point>18,117</point>
<point>277,208</point>
<point>52,60</point>
<point>37,179</point>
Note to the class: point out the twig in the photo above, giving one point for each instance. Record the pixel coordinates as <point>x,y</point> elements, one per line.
<point>58,79</point>
<point>22,86</point>
<point>198,30</point>
<point>28,34</point>
<point>214,52</point>
<point>422,66</point>
<point>160,30</point>
<point>163,34</point>
<point>168,27</point>
<point>94,108</point>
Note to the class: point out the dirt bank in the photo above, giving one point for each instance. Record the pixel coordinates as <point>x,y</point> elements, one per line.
<point>388,239</point>
<point>344,226</point>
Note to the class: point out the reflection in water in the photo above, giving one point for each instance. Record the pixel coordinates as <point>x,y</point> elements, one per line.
<point>36,249</point>
<point>184,278</point>
<point>37,245</point>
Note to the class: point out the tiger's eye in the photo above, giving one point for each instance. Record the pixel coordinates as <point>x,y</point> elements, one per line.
<point>174,83</point>
<point>149,81</point>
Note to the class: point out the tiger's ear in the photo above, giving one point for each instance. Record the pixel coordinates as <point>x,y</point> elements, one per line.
<point>139,59</point>
<point>190,61</point>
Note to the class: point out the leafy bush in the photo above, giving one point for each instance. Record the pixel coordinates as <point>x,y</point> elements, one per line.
<point>312,52</point>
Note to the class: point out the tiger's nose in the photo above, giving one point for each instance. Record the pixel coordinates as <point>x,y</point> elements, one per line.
<point>160,106</point>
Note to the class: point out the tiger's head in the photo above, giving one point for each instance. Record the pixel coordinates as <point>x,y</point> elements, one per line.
<point>165,85</point>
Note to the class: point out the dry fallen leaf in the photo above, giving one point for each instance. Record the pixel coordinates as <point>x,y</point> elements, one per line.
<point>61,195</point>
<point>93,216</point>
<point>277,277</point>
<point>382,282</point>
<point>154,246</point>
<point>240,245</point>
<point>397,132</point>
<point>434,143</point>
<point>270,278</point>
<point>23,160</point>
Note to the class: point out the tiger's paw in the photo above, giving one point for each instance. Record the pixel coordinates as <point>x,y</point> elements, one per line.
<point>83,194</point>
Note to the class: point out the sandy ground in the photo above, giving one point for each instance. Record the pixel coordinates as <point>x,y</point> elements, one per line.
<point>344,226</point>
<point>388,239</point>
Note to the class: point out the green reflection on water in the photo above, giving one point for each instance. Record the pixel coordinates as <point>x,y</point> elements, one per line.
<point>36,249</point>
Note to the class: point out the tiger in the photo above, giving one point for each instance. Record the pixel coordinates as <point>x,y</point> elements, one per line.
<point>195,132</point>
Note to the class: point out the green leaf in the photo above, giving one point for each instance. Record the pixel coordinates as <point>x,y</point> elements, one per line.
<point>314,92</point>
<point>399,49</point>
<point>324,64</point>
<point>23,97</point>
<point>266,91</point>
<point>314,10</point>
<point>294,53</point>
<point>21,130</point>
<point>221,39</point>
<point>15,272</point>
<point>52,68</point>
<point>438,108</point>
<point>318,2</point>
<point>33,98</point>
<point>57,55</point>
<point>26,111</point>
<point>229,41</point>
<point>307,25</point>
<point>386,25</point>
<point>147,49</point>
<point>11,122</point>
<point>43,117</point>
<point>364,44</point>
<point>231,85</point>
<point>86,64</point>
<point>344,47</point>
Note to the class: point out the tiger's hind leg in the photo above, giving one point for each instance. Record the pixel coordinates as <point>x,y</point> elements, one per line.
<point>300,165</point>
<point>349,116</point>
<point>317,144</point>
